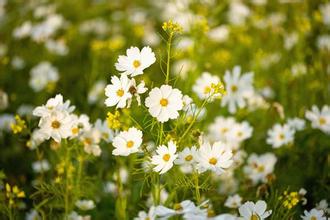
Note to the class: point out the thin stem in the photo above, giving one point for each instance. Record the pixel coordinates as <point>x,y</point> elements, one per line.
<point>193,121</point>
<point>66,197</point>
<point>197,193</point>
<point>169,42</point>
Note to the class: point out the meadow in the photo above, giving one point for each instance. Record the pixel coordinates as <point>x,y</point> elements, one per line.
<point>178,109</point>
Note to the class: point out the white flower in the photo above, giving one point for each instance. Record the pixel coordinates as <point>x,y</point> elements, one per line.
<point>57,125</point>
<point>320,119</point>
<point>41,75</point>
<point>203,86</point>
<point>164,103</point>
<point>237,87</point>
<point>32,215</point>
<point>314,214</point>
<point>52,105</point>
<point>40,166</point>
<point>91,140</point>
<point>216,158</point>
<point>280,135</point>
<point>5,121</point>
<point>96,92</point>
<point>323,42</point>
<point>234,201</point>
<point>187,156</point>
<point>57,47</point>
<point>127,142</point>
<point>106,133</point>
<point>219,34</point>
<point>151,215</point>
<point>220,129</point>
<point>325,11</point>
<point>118,92</point>
<point>165,157</point>
<point>323,205</point>
<point>240,132</point>
<point>296,123</point>
<point>23,31</point>
<point>250,210</point>
<point>186,208</point>
<point>85,204</point>
<point>136,90</point>
<point>238,12</point>
<point>80,124</point>
<point>259,167</point>
<point>135,61</point>
<point>75,216</point>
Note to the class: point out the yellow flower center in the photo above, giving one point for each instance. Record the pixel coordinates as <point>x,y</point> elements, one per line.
<point>254,217</point>
<point>234,88</point>
<point>136,63</point>
<point>163,102</point>
<point>120,92</point>
<point>56,124</point>
<point>313,218</point>
<point>75,130</point>
<point>281,136</point>
<point>322,121</point>
<point>188,158</point>
<point>261,168</point>
<point>224,130</point>
<point>239,134</point>
<point>147,218</point>
<point>177,206</point>
<point>213,161</point>
<point>87,141</point>
<point>207,89</point>
<point>129,144</point>
<point>166,157</point>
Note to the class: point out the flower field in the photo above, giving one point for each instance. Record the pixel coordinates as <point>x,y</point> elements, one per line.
<point>178,109</point>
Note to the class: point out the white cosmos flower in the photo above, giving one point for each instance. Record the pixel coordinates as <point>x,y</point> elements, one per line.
<point>165,157</point>
<point>136,90</point>
<point>41,75</point>
<point>40,166</point>
<point>280,135</point>
<point>220,129</point>
<point>164,103</point>
<point>106,133</point>
<point>53,104</point>
<point>259,167</point>
<point>234,201</point>
<point>216,157</point>
<point>118,91</point>
<point>240,132</point>
<point>296,123</point>
<point>203,86</point>
<point>135,61</point>
<point>80,124</point>
<point>151,215</point>
<point>127,142</point>
<point>85,204</point>
<point>186,208</point>
<point>91,140</point>
<point>57,125</point>
<point>314,214</point>
<point>251,210</point>
<point>320,118</point>
<point>237,87</point>
<point>187,159</point>
<point>96,92</point>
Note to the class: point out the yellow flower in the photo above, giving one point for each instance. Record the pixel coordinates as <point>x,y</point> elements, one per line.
<point>172,27</point>
<point>18,126</point>
<point>113,120</point>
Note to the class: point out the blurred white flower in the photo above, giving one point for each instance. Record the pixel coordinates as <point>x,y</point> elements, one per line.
<point>164,103</point>
<point>203,86</point>
<point>297,124</point>
<point>236,87</point>
<point>164,158</point>
<point>238,13</point>
<point>320,119</point>
<point>96,92</point>
<point>219,34</point>
<point>313,214</point>
<point>32,215</point>
<point>323,42</point>
<point>151,215</point>
<point>135,61</point>
<point>23,31</point>
<point>251,211</point>
<point>57,47</point>
<point>85,204</point>
<point>41,75</point>
<point>105,132</point>
<point>40,166</point>
<point>258,168</point>
<point>323,205</point>
<point>127,142</point>
<point>325,12</point>
<point>280,135</point>
<point>17,63</point>
<point>234,201</point>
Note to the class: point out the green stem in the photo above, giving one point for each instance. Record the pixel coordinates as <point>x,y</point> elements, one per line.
<point>66,197</point>
<point>193,121</point>
<point>198,196</point>
<point>169,42</point>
